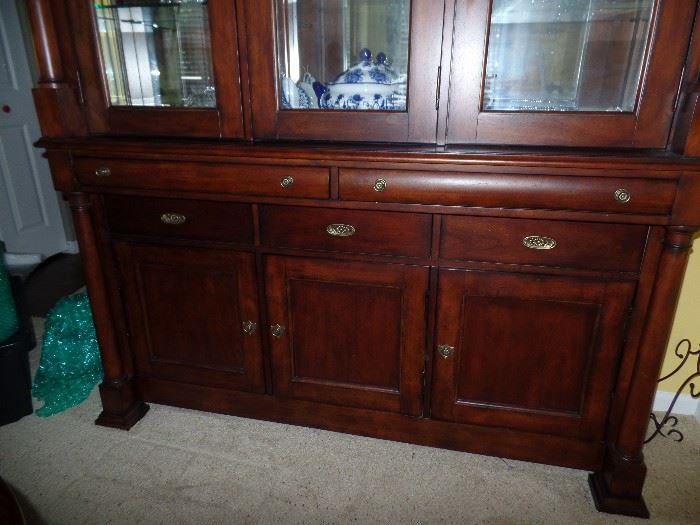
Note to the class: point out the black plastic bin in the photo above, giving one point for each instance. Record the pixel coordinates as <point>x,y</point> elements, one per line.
<point>15,376</point>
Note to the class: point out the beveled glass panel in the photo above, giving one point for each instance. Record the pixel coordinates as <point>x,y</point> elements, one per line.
<point>156,52</point>
<point>566,55</point>
<point>343,54</point>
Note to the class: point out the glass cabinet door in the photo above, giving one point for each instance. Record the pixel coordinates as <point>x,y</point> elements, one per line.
<point>160,66</point>
<point>344,69</point>
<point>570,72</point>
<point>156,54</point>
<point>343,54</point>
<point>575,56</point>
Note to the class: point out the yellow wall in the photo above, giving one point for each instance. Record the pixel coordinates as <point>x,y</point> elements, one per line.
<point>686,324</point>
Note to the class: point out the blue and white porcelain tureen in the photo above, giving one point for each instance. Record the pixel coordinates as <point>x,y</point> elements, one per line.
<point>365,85</point>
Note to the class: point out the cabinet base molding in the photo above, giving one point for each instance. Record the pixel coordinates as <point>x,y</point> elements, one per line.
<point>606,502</point>
<point>491,441</point>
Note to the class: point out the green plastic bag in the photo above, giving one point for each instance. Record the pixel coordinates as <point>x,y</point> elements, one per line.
<point>70,364</point>
<point>8,314</point>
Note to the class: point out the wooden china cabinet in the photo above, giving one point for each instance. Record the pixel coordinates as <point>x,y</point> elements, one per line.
<point>458,223</point>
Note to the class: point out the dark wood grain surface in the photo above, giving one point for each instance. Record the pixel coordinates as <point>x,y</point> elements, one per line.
<point>556,351</point>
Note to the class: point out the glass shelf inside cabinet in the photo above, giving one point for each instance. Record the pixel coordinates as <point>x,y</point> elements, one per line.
<point>343,54</point>
<point>568,55</point>
<point>156,52</point>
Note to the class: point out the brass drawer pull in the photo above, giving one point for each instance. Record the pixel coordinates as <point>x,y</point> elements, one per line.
<point>379,185</point>
<point>446,350</point>
<point>623,196</point>
<point>249,327</point>
<point>340,230</point>
<point>287,181</point>
<point>173,218</point>
<point>538,242</point>
<point>103,172</point>
<point>277,330</point>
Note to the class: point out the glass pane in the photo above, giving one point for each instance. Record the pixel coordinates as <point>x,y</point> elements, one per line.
<point>568,55</point>
<point>343,54</point>
<point>156,52</point>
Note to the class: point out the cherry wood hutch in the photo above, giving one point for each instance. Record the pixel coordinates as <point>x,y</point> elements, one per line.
<point>471,235</point>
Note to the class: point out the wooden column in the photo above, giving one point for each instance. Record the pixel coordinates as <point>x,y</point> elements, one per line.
<point>121,404</point>
<point>56,97</point>
<point>618,487</point>
<point>685,134</point>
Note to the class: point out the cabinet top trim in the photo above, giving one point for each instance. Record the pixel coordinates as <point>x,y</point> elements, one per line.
<point>355,153</point>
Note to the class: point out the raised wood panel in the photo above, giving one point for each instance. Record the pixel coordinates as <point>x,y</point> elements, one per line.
<point>582,245</point>
<point>186,307</point>
<point>354,332</point>
<point>360,322</point>
<point>528,340</point>
<point>534,353</point>
<point>203,220</point>
<point>376,232</point>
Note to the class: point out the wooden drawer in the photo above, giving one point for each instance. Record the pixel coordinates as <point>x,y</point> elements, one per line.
<point>376,232</point>
<point>588,246</point>
<point>494,190</point>
<point>239,179</point>
<point>180,218</point>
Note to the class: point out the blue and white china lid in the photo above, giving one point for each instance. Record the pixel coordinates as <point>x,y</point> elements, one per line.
<point>294,96</point>
<point>368,72</point>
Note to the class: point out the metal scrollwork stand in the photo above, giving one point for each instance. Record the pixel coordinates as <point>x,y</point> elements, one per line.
<point>666,427</point>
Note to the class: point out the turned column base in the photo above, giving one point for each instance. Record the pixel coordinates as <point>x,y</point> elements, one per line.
<point>122,408</point>
<point>606,502</point>
<point>617,488</point>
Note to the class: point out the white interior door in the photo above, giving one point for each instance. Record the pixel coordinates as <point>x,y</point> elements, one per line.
<point>30,217</point>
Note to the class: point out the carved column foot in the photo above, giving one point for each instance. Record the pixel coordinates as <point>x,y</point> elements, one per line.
<point>607,502</point>
<point>122,408</point>
<point>617,489</point>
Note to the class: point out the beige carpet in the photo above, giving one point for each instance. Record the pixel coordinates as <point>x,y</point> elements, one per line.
<point>181,466</point>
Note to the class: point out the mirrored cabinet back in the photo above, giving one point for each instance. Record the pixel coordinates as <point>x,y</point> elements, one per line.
<point>458,223</point>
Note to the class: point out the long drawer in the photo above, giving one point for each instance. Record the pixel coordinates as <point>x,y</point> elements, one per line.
<point>180,218</point>
<point>240,179</point>
<point>337,230</point>
<point>591,246</point>
<point>603,194</point>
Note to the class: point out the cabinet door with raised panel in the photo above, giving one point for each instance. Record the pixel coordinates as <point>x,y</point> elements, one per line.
<point>348,333</point>
<point>529,352</point>
<point>357,70</point>
<point>193,314</point>
<point>570,72</point>
<point>161,68</point>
